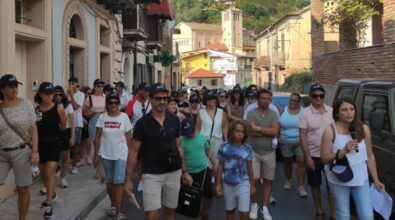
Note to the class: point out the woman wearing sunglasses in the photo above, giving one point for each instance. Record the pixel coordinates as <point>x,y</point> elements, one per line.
<point>193,110</point>
<point>112,143</point>
<point>172,107</point>
<point>94,106</point>
<point>67,137</point>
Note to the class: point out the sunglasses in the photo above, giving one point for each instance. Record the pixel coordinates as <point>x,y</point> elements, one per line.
<point>113,103</point>
<point>211,98</point>
<point>100,86</point>
<point>59,94</point>
<point>162,132</point>
<point>315,96</point>
<point>159,98</point>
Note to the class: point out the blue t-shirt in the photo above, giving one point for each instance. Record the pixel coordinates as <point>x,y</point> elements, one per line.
<point>235,158</point>
<point>289,125</point>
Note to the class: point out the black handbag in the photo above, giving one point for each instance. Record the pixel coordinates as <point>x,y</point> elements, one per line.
<point>190,199</point>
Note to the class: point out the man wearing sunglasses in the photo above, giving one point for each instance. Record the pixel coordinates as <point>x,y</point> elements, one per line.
<point>313,121</point>
<point>157,137</point>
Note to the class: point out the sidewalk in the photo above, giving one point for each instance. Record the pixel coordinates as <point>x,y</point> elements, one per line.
<point>74,203</point>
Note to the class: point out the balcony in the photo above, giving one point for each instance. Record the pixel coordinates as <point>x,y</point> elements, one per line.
<point>155,32</point>
<point>135,24</point>
<point>278,58</point>
<point>262,62</point>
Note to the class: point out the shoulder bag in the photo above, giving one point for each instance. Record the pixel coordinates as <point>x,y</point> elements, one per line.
<point>13,128</point>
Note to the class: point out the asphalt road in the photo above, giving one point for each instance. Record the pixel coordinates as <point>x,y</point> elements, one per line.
<point>289,205</point>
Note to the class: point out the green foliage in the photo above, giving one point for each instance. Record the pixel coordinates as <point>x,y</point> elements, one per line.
<point>351,16</point>
<point>257,14</point>
<point>297,82</point>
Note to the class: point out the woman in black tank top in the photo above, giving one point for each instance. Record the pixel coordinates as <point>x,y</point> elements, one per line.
<point>51,120</point>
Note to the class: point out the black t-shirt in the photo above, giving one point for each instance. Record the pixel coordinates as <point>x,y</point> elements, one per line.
<point>183,105</point>
<point>48,123</point>
<point>155,140</point>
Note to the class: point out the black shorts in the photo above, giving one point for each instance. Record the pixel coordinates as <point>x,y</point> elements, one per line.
<point>49,150</point>
<point>314,177</point>
<point>85,132</point>
<point>207,185</point>
<point>65,139</point>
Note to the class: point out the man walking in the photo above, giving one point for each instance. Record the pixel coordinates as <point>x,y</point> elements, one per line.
<point>77,99</point>
<point>157,135</point>
<point>264,125</point>
<point>123,96</point>
<point>314,119</point>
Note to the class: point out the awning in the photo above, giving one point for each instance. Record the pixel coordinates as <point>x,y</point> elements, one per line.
<point>161,10</point>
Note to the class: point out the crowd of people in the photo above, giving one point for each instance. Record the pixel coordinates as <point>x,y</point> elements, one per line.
<point>225,141</point>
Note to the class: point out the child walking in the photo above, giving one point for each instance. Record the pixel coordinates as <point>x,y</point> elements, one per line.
<point>196,154</point>
<point>234,177</point>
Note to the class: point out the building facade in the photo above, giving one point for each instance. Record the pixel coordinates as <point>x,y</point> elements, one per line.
<point>206,78</point>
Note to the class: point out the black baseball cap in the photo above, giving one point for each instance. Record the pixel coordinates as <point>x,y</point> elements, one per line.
<point>143,86</point>
<point>8,80</point>
<point>209,94</point>
<point>120,83</point>
<point>73,79</point>
<point>194,98</point>
<point>58,89</point>
<point>316,86</point>
<point>187,127</point>
<point>46,87</point>
<point>112,96</point>
<point>108,88</point>
<point>237,89</point>
<point>251,95</point>
<point>98,81</point>
<point>172,99</point>
<point>156,88</point>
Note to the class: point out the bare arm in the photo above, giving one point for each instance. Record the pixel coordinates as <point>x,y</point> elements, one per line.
<point>218,180</point>
<point>251,176</point>
<point>34,156</point>
<point>271,131</point>
<point>185,175</point>
<point>72,99</point>
<point>303,142</point>
<point>211,157</point>
<point>131,164</point>
<point>198,123</point>
<point>225,126</point>
<point>372,159</point>
<point>62,116</point>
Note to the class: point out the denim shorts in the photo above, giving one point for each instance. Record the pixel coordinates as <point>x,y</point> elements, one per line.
<point>114,170</point>
<point>78,135</point>
<point>237,196</point>
<point>92,126</point>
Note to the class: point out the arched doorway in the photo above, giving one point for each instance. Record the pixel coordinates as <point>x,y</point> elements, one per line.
<point>75,44</point>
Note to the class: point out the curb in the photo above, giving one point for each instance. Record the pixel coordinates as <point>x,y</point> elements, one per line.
<point>91,205</point>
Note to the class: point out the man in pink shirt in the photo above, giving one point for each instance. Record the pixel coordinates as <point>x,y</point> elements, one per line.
<point>314,119</point>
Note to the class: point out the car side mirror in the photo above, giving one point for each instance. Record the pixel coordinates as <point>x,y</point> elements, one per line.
<point>376,121</point>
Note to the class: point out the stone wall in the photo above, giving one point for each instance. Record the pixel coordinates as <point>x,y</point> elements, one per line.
<point>371,62</point>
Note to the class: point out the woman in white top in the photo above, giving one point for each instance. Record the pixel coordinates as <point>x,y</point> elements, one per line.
<point>68,135</point>
<point>209,115</point>
<point>349,137</point>
<point>112,144</point>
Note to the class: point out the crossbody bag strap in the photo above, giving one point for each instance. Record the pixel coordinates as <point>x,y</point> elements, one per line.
<point>146,108</point>
<point>212,127</point>
<point>11,126</point>
<point>204,178</point>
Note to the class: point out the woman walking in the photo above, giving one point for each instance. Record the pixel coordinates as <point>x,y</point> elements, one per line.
<point>349,138</point>
<point>193,110</point>
<point>51,121</point>
<point>112,143</point>
<point>17,150</point>
<point>236,105</point>
<point>212,122</point>
<point>290,144</point>
<point>68,135</point>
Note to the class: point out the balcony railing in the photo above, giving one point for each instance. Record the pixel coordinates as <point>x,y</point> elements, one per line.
<point>155,32</point>
<point>135,24</point>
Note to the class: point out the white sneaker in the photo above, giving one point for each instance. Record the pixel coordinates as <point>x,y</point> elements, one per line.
<point>287,185</point>
<point>43,191</point>
<point>272,200</point>
<point>254,211</point>
<point>302,192</point>
<point>74,170</point>
<point>266,214</point>
<point>89,160</point>
<point>79,164</point>
<point>140,186</point>
<point>64,183</point>
<point>57,174</point>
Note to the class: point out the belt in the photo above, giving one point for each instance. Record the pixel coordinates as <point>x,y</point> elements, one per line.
<point>22,146</point>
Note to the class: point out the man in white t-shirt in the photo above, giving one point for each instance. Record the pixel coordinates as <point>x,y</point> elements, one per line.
<point>123,96</point>
<point>76,98</point>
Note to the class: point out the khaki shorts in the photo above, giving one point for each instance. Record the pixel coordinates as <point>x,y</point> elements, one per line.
<point>18,160</point>
<point>161,189</point>
<point>290,148</point>
<point>264,166</point>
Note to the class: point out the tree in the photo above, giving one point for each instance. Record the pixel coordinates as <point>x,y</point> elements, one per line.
<point>351,17</point>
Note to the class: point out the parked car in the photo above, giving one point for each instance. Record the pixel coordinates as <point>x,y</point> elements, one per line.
<point>281,100</point>
<point>375,103</point>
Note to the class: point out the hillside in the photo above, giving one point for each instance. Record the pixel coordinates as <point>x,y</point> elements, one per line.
<point>257,14</point>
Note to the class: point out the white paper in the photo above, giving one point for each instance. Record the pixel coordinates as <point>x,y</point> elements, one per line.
<point>382,202</point>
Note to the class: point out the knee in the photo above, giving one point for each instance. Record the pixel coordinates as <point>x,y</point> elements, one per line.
<point>23,190</point>
<point>169,211</point>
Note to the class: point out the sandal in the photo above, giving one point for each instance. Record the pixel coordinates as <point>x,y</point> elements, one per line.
<point>121,216</point>
<point>320,216</point>
<point>111,212</point>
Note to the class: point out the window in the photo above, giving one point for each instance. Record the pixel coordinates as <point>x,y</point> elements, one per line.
<point>199,82</point>
<point>375,103</point>
<point>345,92</point>
<point>213,82</point>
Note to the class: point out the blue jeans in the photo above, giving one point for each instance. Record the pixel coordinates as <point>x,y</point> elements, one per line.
<point>115,170</point>
<point>362,199</point>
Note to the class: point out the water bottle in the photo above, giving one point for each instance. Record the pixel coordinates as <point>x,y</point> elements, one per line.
<point>274,143</point>
<point>35,170</point>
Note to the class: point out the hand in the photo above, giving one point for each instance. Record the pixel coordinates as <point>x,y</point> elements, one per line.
<point>252,189</point>
<point>72,141</point>
<point>218,190</point>
<point>34,158</point>
<point>186,179</point>
<point>379,185</point>
<point>96,161</point>
<point>128,187</point>
<point>70,91</point>
<point>351,145</point>
<point>310,164</point>
<point>251,126</point>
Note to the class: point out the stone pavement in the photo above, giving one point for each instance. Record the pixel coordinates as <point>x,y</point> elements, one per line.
<point>74,203</point>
